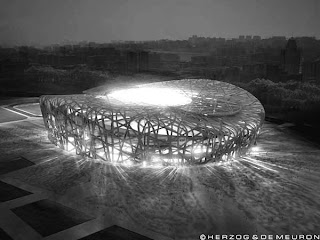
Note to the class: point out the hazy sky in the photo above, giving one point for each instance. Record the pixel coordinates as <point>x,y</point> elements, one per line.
<point>53,21</point>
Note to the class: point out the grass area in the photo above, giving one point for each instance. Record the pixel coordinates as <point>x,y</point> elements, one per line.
<point>55,218</point>
<point>32,108</point>
<point>8,116</point>
<point>273,190</point>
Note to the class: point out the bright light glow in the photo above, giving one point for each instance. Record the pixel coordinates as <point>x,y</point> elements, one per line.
<point>156,159</point>
<point>127,163</point>
<point>151,96</point>
<point>128,127</point>
<point>86,136</point>
<point>255,149</point>
<point>224,157</point>
<point>200,150</point>
<point>175,160</point>
<point>70,147</point>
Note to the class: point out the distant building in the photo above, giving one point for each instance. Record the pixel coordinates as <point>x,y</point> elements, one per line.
<point>199,61</point>
<point>170,57</point>
<point>257,70</point>
<point>275,42</point>
<point>317,62</point>
<point>281,38</point>
<point>274,73</point>
<point>291,57</point>
<point>143,61</point>
<point>9,67</point>
<point>311,70</point>
<point>68,60</point>
<point>137,61</point>
<point>154,61</point>
<point>132,61</point>
<point>308,71</point>
<point>256,38</point>
<point>58,60</point>
<point>98,61</point>
<point>232,74</point>
<point>193,40</point>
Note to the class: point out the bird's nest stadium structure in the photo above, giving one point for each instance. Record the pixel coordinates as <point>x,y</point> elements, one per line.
<point>181,122</point>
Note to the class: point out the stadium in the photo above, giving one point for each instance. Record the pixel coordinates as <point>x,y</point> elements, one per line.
<point>181,122</point>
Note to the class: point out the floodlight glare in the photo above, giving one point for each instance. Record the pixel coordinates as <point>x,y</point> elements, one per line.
<point>255,149</point>
<point>151,96</point>
<point>180,122</point>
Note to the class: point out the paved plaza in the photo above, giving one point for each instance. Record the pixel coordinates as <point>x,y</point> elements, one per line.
<point>48,193</point>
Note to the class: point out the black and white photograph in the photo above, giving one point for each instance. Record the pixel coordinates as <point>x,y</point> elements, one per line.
<point>159,119</point>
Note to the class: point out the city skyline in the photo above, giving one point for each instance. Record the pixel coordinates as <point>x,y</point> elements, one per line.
<point>47,22</point>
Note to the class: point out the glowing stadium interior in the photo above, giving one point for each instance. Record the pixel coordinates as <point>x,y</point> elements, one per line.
<point>181,122</point>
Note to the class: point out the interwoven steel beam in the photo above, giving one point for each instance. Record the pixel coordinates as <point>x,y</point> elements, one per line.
<point>221,121</point>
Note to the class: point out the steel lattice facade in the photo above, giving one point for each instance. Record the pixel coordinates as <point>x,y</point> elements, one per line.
<point>222,120</point>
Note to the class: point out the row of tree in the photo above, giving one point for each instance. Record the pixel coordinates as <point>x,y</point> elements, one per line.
<point>38,79</point>
<point>292,101</point>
